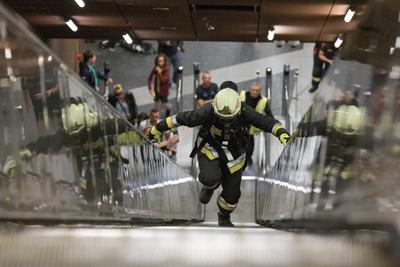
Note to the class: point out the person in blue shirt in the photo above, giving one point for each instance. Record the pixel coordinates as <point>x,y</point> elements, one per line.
<point>88,71</point>
<point>206,91</point>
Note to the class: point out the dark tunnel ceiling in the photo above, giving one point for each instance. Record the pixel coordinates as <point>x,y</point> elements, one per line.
<point>234,20</point>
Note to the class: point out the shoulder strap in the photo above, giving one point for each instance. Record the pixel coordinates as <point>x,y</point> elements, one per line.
<point>204,133</point>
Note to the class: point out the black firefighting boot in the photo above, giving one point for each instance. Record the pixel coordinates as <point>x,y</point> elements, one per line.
<point>225,209</point>
<point>224,220</point>
<point>205,195</point>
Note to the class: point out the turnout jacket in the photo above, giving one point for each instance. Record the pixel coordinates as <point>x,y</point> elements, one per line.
<point>219,139</point>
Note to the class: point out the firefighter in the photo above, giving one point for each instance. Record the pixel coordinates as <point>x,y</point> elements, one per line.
<point>77,118</point>
<point>259,103</point>
<point>221,144</point>
<point>317,68</point>
<point>343,127</point>
<point>323,59</point>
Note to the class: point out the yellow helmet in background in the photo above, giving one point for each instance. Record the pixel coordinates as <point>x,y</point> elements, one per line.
<point>227,104</point>
<point>347,119</point>
<point>77,116</point>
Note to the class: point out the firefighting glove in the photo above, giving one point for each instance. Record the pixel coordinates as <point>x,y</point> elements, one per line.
<point>155,135</point>
<point>280,132</point>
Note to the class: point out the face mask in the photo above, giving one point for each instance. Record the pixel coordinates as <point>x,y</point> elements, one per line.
<point>227,121</point>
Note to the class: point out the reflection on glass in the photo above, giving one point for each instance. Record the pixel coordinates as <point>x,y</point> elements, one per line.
<point>65,153</point>
<point>343,159</point>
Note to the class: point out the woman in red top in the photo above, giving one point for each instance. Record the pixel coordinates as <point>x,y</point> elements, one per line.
<point>159,83</point>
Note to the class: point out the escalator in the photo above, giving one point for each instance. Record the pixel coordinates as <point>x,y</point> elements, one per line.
<point>79,186</point>
<point>187,246</point>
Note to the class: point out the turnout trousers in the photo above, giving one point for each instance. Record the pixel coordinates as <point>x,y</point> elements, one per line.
<point>212,175</point>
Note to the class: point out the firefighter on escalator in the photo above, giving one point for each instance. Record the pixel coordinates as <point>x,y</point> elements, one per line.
<point>343,128</point>
<point>221,144</point>
<point>88,148</point>
<point>259,103</point>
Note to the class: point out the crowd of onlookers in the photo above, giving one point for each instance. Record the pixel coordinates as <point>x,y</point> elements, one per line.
<point>159,83</point>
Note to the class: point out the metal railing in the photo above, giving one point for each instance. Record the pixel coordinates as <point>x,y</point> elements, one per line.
<point>179,89</point>
<point>196,82</point>
<point>67,154</point>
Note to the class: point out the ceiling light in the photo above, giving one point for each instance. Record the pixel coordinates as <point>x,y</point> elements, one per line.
<point>71,24</point>
<point>7,53</point>
<point>349,14</point>
<point>49,58</point>
<point>339,41</point>
<point>271,33</point>
<point>80,3</point>
<point>127,38</point>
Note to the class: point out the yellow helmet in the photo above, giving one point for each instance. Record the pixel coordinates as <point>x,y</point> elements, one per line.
<point>227,104</point>
<point>347,119</point>
<point>77,116</point>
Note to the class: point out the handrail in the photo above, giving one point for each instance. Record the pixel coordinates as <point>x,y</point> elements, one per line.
<point>267,147</point>
<point>196,82</point>
<point>285,96</point>
<point>179,89</point>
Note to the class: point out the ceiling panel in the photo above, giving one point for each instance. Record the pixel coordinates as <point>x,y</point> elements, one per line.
<point>157,34</point>
<point>158,3</point>
<point>92,8</point>
<point>294,20</point>
<point>27,5</point>
<point>234,20</point>
<point>226,2</point>
<point>153,22</point>
<point>84,32</point>
<point>229,26</point>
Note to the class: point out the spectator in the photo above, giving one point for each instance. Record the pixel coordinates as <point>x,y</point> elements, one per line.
<point>88,72</point>
<point>259,103</point>
<point>170,140</point>
<point>206,91</point>
<point>124,103</point>
<point>159,83</point>
<point>173,50</point>
<point>141,117</point>
<point>153,119</point>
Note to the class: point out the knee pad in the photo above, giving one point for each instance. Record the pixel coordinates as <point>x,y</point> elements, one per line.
<point>210,183</point>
